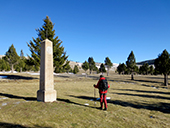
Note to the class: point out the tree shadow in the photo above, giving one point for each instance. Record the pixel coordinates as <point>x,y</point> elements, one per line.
<point>18,97</point>
<point>146,96</point>
<point>162,107</point>
<point>71,102</point>
<point>147,81</point>
<point>10,125</point>
<point>162,78</point>
<point>159,92</point>
<point>83,97</point>
<point>17,77</point>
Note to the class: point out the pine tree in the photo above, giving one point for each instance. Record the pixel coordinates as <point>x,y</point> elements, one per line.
<point>21,63</point>
<point>131,63</point>
<point>162,65</point>
<point>108,64</point>
<point>75,70</point>
<point>96,69</point>
<point>85,66</point>
<point>102,68</point>
<point>59,56</point>
<point>146,68</point>
<point>121,68</point>
<point>91,64</point>
<point>151,70</point>
<point>11,57</point>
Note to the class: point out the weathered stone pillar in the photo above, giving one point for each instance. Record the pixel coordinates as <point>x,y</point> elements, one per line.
<point>46,92</point>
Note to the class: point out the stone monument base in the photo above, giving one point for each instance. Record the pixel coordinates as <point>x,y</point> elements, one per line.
<point>46,95</point>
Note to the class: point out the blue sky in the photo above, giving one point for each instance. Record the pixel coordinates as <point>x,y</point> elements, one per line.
<point>90,28</point>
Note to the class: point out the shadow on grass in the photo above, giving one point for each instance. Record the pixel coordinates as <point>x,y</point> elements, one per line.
<point>83,97</point>
<point>10,125</point>
<point>147,81</point>
<point>17,77</point>
<point>71,102</point>
<point>159,92</point>
<point>18,97</point>
<point>162,78</point>
<point>162,107</point>
<point>146,96</point>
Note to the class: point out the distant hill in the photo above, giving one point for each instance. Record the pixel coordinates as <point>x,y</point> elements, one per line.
<point>150,62</point>
<point>72,64</point>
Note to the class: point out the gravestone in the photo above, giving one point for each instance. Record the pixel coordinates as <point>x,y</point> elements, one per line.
<point>46,92</point>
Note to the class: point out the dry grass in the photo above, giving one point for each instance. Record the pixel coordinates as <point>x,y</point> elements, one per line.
<point>141,103</point>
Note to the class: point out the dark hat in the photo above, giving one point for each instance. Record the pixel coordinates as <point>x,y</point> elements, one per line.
<point>101,76</point>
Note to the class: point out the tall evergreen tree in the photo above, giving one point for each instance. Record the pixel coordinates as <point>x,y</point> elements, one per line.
<point>91,64</point>
<point>85,66</point>
<point>108,64</point>
<point>102,68</point>
<point>59,56</point>
<point>131,64</point>
<point>11,57</point>
<point>162,64</point>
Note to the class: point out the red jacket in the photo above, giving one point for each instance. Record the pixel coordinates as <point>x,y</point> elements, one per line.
<point>97,86</point>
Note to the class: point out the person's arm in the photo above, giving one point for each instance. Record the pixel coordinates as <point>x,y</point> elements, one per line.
<point>97,86</point>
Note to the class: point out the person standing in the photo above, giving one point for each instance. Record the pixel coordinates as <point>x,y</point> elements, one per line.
<point>102,85</point>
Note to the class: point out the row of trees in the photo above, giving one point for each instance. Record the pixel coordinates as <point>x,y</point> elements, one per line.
<point>145,69</point>
<point>162,66</point>
<point>91,65</point>
<point>12,61</point>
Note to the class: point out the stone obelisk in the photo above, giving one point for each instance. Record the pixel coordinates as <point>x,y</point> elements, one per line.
<point>46,92</point>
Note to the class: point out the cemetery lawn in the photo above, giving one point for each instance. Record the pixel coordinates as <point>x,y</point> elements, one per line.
<point>142,103</point>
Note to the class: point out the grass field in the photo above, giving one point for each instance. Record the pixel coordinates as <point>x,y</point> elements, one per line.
<point>142,103</point>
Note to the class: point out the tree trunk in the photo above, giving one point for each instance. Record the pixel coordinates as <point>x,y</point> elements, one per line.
<point>12,68</point>
<point>107,71</point>
<point>166,79</point>
<point>132,76</point>
<point>90,71</point>
<point>21,69</point>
